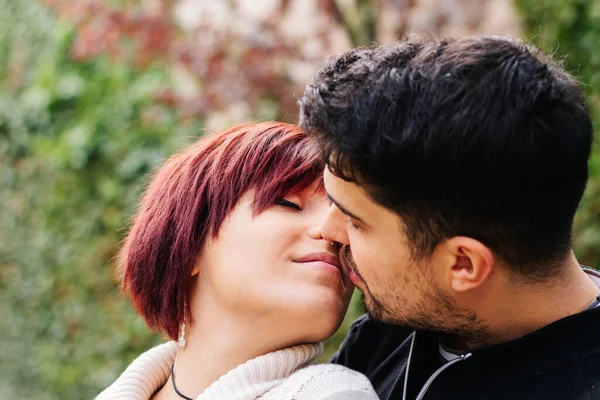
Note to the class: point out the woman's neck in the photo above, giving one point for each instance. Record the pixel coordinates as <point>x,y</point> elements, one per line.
<point>216,344</point>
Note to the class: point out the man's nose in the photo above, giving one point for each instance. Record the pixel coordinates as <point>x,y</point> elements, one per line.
<point>334,225</point>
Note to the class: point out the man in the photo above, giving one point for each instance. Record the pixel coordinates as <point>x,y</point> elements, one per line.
<point>455,168</point>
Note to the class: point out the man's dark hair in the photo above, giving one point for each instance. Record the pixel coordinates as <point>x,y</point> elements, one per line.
<point>484,137</point>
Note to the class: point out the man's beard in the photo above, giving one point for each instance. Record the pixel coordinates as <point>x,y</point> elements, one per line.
<point>435,312</point>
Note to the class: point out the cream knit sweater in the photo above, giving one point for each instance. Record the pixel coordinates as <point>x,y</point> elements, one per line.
<point>281,375</point>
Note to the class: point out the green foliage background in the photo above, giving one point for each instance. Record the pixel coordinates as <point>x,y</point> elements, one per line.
<point>76,140</point>
<point>74,148</point>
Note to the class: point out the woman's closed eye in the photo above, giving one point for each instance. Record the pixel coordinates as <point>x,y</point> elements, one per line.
<point>287,203</point>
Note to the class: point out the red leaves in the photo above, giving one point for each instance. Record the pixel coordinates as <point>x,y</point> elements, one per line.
<point>226,67</point>
<point>256,65</point>
<point>124,35</point>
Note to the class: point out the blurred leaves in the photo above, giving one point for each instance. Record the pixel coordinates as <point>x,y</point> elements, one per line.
<point>76,137</point>
<point>94,94</point>
<point>212,68</point>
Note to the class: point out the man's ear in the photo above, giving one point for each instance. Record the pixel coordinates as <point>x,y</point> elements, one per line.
<point>471,263</point>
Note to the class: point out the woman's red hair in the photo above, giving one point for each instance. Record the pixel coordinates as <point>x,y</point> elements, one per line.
<point>188,199</point>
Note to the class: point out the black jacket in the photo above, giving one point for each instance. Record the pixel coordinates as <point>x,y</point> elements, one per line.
<point>560,361</point>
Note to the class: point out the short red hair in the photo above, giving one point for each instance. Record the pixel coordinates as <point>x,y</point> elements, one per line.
<point>190,196</point>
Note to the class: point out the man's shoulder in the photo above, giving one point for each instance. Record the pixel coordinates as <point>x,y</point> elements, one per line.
<point>588,364</point>
<point>365,328</point>
<point>366,325</point>
<point>369,343</point>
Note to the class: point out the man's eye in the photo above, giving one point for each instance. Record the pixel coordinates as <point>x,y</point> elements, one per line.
<point>287,203</point>
<point>352,224</point>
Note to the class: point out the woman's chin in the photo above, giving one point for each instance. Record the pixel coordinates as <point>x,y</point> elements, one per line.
<point>322,321</point>
<point>309,314</point>
<point>320,333</point>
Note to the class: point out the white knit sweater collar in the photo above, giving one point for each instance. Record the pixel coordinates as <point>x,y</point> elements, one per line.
<point>249,380</point>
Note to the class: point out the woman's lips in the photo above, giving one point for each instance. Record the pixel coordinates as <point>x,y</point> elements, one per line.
<point>324,260</point>
<point>323,257</point>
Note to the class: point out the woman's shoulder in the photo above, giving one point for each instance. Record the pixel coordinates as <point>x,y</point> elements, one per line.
<point>328,381</point>
<point>144,375</point>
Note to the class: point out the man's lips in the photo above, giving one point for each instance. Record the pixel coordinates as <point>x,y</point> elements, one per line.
<point>346,258</point>
<point>348,264</point>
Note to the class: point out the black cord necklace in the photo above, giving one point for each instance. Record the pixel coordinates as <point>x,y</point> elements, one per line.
<point>175,386</point>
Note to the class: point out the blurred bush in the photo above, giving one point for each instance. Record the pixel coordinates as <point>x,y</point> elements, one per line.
<point>94,94</point>
<point>570,30</point>
<point>75,139</point>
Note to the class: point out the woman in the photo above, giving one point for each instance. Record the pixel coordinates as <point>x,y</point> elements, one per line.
<point>226,257</point>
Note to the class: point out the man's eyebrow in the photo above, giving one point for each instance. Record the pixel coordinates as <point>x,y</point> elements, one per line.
<point>344,210</point>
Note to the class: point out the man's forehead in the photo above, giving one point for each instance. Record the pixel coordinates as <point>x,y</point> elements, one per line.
<point>342,187</point>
